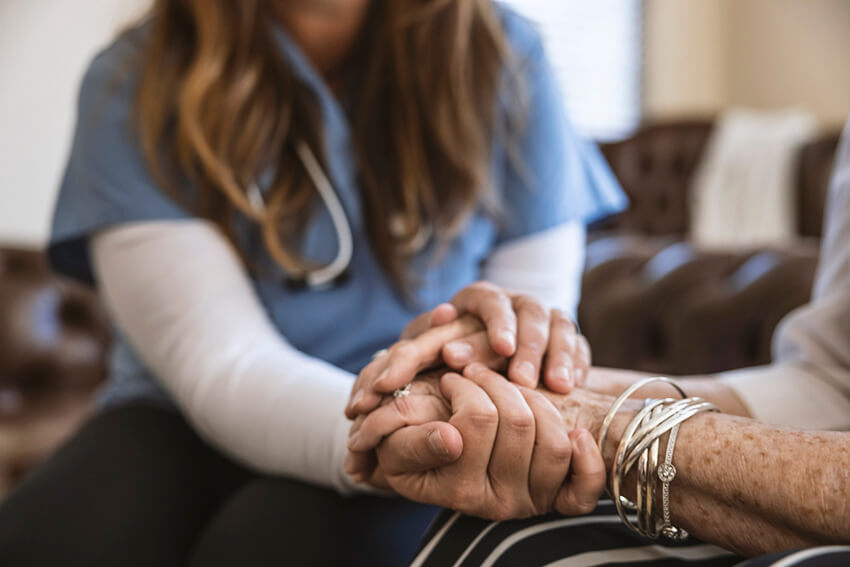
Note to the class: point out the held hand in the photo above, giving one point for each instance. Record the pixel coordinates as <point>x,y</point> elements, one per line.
<point>425,403</point>
<point>400,364</point>
<point>537,341</point>
<point>515,326</point>
<point>516,453</point>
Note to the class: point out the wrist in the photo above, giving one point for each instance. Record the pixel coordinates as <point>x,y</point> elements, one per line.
<point>585,409</point>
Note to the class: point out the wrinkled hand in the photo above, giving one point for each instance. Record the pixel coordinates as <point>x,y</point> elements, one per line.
<point>515,453</point>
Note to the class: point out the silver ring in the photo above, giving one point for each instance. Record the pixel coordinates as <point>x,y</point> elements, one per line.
<point>379,354</point>
<point>401,392</point>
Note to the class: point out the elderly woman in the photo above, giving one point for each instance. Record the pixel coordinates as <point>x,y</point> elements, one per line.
<point>748,467</point>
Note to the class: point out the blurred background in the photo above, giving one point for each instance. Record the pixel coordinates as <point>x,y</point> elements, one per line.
<point>719,117</point>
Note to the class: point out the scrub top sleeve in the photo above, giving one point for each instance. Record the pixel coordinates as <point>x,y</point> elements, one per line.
<point>106,180</point>
<point>560,176</point>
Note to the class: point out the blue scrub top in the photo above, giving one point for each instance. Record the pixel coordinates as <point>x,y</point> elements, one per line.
<point>107,182</point>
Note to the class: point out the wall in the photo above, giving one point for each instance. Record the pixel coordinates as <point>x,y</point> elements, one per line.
<point>685,57</point>
<point>704,55</point>
<point>44,48</point>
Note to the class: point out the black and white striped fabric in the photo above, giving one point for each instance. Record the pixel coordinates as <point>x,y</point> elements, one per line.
<point>599,538</point>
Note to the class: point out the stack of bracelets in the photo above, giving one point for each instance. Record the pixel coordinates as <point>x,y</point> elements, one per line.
<point>639,446</point>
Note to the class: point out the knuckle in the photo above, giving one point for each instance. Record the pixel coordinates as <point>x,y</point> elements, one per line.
<point>522,421</point>
<point>533,344</point>
<point>562,319</point>
<point>531,307</point>
<point>483,417</point>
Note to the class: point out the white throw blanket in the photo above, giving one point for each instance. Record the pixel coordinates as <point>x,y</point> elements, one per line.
<point>743,193</point>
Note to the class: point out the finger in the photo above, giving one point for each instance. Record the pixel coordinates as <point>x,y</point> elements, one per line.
<point>474,348</point>
<point>475,416</point>
<point>493,307</point>
<point>407,410</point>
<point>363,397</point>
<point>582,361</point>
<point>511,457</point>
<point>420,448</point>
<point>559,374</point>
<point>360,466</point>
<point>409,358</point>
<point>440,315</point>
<point>402,363</point>
<point>550,461</point>
<point>585,484</point>
<point>532,338</point>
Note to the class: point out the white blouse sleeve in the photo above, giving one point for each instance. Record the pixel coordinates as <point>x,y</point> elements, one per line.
<point>808,385</point>
<point>546,265</point>
<point>182,298</point>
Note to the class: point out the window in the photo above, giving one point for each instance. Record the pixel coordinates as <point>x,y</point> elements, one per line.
<point>596,49</point>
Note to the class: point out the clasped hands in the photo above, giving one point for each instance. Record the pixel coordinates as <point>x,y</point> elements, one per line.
<point>495,425</point>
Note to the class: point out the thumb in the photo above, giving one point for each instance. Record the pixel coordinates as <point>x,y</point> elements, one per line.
<point>418,448</point>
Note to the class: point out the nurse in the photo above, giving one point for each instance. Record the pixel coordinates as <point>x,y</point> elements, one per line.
<point>265,194</point>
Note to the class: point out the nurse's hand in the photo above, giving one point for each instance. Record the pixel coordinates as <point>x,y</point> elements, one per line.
<point>519,337</point>
<point>540,343</point>
<point>516,453</point>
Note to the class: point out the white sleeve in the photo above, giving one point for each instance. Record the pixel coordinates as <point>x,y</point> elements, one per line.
<point>546,265</point>
<point>808,385</point>
<point>182,298</point>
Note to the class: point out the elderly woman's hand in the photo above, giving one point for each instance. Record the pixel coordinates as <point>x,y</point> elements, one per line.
<point>515,333</point>
<point>517,456</point>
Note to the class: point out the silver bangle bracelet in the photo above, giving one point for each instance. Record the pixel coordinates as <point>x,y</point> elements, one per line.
<point>639,445</point>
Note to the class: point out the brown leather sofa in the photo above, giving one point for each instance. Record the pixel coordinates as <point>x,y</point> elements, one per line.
<point>654,302</point>
<point>54,339</point>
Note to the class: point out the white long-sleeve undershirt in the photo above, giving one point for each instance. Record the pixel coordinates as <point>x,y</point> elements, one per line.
<point>181,296</point>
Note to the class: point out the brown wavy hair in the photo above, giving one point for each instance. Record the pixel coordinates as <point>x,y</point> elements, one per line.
<point>218,104</point>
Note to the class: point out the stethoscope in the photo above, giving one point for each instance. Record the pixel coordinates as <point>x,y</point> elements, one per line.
<point>335,271</point>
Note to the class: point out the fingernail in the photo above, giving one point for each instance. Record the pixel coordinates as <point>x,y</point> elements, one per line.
<point>382,376</point>
<point>509,338</point>
<point>460,351</point>
<point>355,399</point>
<point>349,463</point>
<point>526,370</point>
<point>352,441</point>
<point>437,444</point>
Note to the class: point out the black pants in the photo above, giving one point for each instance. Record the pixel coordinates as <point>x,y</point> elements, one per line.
<point>136,486</point>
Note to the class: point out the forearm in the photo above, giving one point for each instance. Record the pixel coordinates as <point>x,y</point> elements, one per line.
<point>755,488</point>
<point>198,325</point>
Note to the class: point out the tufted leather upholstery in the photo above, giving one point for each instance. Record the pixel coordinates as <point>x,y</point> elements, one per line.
<point>653,302</point>
<point>654,167</point>
<point>54,338</point>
